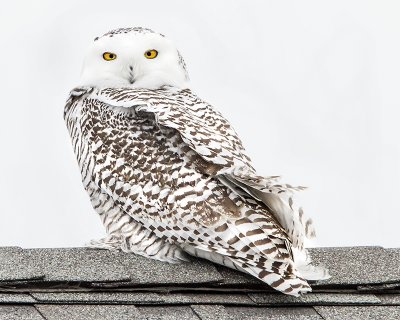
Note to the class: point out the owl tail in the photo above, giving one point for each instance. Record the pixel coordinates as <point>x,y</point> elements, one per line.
<point>282,277</point>
<point>289,216</point>
<point>277,275</point>
<point>298,229</point>
<point>279,200</point>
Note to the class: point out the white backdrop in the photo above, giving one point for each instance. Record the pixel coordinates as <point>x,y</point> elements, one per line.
<point>312,87</point>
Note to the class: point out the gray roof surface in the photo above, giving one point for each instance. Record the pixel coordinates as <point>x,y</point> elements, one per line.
<point>82,283</point>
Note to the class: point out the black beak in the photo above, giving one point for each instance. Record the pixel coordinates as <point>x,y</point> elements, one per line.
<point>131,75</point>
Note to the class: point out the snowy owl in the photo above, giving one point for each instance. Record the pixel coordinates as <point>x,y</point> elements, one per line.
<point>168,174</point>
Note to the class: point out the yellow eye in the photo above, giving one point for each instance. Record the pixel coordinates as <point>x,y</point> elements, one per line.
<point>109,56</point>
<point>151,54</point>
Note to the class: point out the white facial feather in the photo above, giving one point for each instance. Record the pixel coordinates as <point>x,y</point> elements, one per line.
<point>130,68</point>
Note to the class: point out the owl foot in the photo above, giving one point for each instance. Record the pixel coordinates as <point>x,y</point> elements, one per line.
<point>107,243</point>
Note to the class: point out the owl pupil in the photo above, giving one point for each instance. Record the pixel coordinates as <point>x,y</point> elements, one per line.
<point>111,56</point>
<point>149,53</point>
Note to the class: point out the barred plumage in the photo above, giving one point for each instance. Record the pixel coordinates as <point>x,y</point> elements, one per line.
<point>157,175</point>
<point>168,174</point>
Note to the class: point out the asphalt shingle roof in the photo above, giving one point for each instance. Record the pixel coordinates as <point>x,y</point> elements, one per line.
<point>82,283</point>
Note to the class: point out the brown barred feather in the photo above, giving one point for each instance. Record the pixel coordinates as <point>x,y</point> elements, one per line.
<point>168,175</point>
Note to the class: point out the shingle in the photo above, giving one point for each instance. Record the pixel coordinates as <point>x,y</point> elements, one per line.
<point>359,265</point>
<point>348,266</point>
<point>90,265</point>
<point>167,313</point>
<point>357,313</point>
<point>207,298</point>
<point>393,299</point>
<point>149,271</point>
<point>10,257</point>
<point>16,298</point>
<point>13,312</point>
<point>233,277</point>
<point>98,297</point>
<point>314,299</point>
<point>101,285</point>
<point>88,312</point>
<point>379,287</point>
<point>141,298</point>
<point>210,312</point>
<point>254,313</point>
<point>78,264</point>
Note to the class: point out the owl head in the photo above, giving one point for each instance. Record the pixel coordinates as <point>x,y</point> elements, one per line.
<point>133,58</point>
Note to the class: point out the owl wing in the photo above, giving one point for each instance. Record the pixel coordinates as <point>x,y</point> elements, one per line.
<point>218,228</point>
<point>210,135</point>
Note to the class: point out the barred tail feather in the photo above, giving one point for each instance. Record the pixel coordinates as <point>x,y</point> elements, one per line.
<point>277,275</point>
<point>278,198</point>
<point>255,245</point>
<point>289,216</point>
<point>280,279</point>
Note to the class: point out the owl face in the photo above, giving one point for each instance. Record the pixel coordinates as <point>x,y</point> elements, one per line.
<point>133,58</point>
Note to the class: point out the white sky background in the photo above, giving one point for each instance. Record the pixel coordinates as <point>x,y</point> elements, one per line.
<point>312,88</point>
